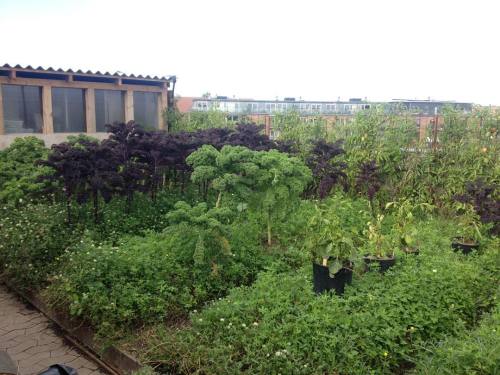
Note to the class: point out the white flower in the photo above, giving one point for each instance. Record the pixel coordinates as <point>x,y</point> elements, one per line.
<point>244,325</point>
<point>434,270</point>
<point>221,319</point>
<point>255,324</point>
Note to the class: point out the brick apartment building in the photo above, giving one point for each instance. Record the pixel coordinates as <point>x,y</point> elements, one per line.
<point>425,112</point>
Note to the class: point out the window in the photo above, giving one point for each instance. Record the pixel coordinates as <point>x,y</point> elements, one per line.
<point>109,108</point>
<point>22,109</point>
<point>146,109</point>
<point>68,110</point>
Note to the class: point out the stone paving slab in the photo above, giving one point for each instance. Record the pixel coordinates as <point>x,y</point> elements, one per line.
<point>33,343</point>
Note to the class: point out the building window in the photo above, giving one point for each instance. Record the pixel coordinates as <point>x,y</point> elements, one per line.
<point>146,109</point>
<point>68,110</point>
<point>109,108</point>
<point>22,109</point>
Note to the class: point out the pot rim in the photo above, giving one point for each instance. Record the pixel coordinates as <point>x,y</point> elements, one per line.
<point>373,257</point>
<point>461,241</point>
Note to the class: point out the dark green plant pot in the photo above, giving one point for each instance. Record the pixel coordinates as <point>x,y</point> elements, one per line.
<point>458,245</point>
<point>383,263</point>
<point>323,282</point>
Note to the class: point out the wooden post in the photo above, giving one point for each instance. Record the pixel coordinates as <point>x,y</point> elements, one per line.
<point>129,105</point>
<point>162,107</point>
<point>267,122</point>
<point>90,111</point>
<point>48,125</point>
<point>2,129</point>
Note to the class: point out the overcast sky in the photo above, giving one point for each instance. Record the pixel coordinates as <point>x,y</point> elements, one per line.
<point>317,50</point>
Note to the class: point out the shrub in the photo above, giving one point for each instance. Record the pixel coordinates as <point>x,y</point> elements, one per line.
<point>19,177</point>
<point>32,239</point>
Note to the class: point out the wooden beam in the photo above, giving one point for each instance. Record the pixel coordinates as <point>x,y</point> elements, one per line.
<point>48,125</point>
<point>2,129</point>
<point>80,84</point>
<point>90,111</point>
<point>129,105</point>
<point>69,78</point>
<point>162,107</point>
<point>12,74</point>
<point>119,81</point>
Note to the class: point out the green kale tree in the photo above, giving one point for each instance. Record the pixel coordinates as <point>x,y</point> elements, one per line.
<point>268,181</point>
<point>211,225</point>
<point>279,181</point>
<point>230,170</point>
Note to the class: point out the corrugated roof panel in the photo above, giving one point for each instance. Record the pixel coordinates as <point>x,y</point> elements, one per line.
<point>88,72</point>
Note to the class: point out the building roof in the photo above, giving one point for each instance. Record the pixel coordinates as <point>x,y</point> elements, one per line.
<point>80,75</point>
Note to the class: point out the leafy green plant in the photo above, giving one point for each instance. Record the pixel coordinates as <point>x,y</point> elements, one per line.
<point>471,353</point>
<point>405,224</point>
<point>229,170</point>
<point>269,181</point>
<point>279,180</point>
<point>19,176</point>
<point>469,225</point>
<point>328,242</point>
<point>379,244</point>
<point>33,238</point>
<point>211,227</point>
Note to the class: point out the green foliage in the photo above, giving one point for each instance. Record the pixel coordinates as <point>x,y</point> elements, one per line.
<point>19,176</point>
<point>32,240</point>
<point>212,246</point>
<point>279,180</point>
<point>471,353</point>
<point>469,224</point>
<point>154,278</point>
<point>379,244</point>
<point>179,122</point>
<point>230,170</point>
<point>291,127</point>
<point>142,216</point>
<point>329,241</point>
<point>268,181</point>
<point>81,139</point>
<point>404,226</point>
<point>380,325</point>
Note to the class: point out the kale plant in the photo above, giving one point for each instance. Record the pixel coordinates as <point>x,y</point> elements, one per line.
<point>327,172</point>
<point>485,200</point>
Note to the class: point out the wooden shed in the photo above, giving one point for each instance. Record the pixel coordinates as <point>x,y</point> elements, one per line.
<point>52,104</point>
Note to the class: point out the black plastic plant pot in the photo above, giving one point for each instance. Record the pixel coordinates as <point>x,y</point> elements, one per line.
<point>323,282</point>
<point>458,244</point>
<point>383,263</point>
